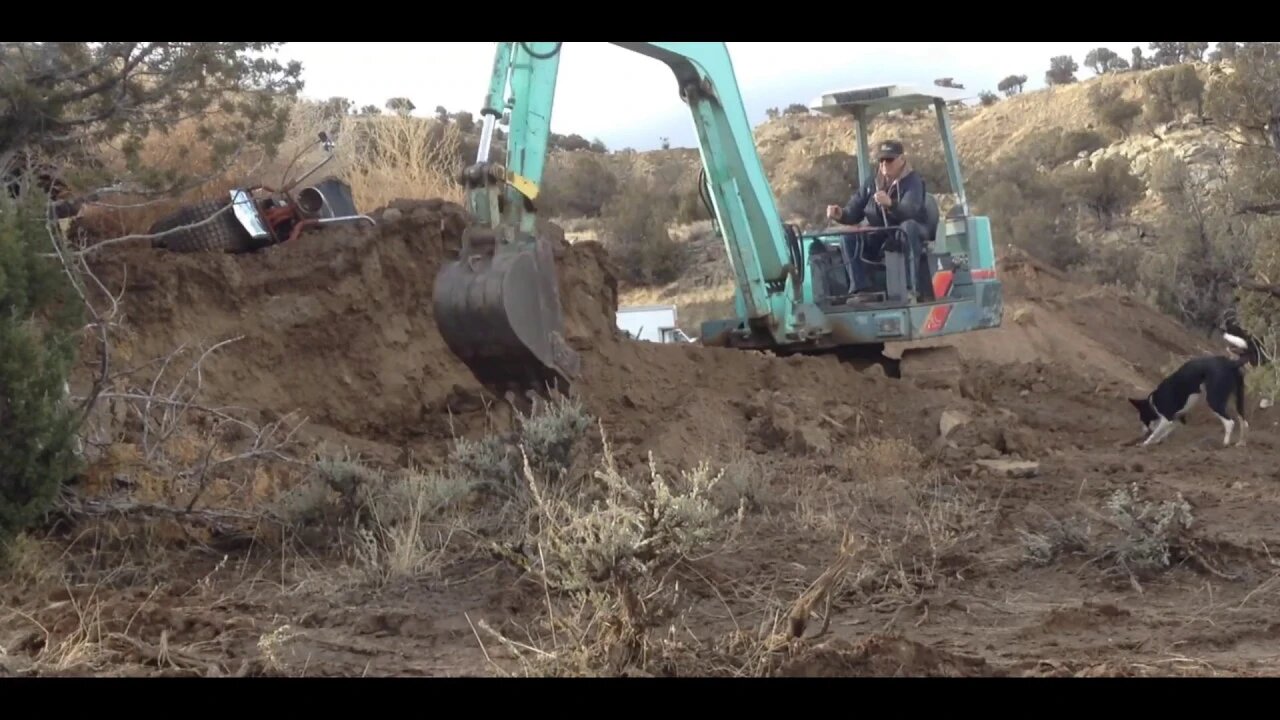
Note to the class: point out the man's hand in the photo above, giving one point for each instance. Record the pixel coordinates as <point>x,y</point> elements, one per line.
<point>834,212</point>
<point>883,199</point>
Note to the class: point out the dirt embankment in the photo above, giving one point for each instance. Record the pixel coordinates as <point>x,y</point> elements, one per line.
<point>339,328</point>
<point>1050,318</point>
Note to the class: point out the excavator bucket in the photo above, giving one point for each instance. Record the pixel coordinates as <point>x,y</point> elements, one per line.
<point>498,309</point>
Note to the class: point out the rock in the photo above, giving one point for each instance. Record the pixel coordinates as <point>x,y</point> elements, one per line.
<point>950,420</point>
<point>1019,441</point>
<point>875,370</point>
<point>811,439</point>
<point>844,414</point>
<point>985,452</point>
<point>1198,153</point>
<point>1011,468</point>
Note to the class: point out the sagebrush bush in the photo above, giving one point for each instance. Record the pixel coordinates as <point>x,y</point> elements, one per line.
<point>1113,109</point>
<point>577,185</point>
<point>39,326</point>
<point>1029,209</point>
<point>1108,190</point>
<point>636,223</point>
<point>607,553</point>
<point>1153,535</point>
<point>549,437</point>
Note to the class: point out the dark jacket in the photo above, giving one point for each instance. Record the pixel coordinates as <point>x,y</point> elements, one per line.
<point>908,202</point>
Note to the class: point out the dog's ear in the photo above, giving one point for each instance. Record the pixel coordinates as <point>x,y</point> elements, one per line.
<point>1182,419</point>
<point>1138,403</point>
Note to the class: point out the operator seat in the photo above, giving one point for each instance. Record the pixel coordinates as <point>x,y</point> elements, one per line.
<point>931,214</point>
<point>929,262</point>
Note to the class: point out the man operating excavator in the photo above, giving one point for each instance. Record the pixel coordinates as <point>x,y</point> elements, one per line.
<point>893,197</point>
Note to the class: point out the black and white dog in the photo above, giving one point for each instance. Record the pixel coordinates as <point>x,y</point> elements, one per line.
<point>1213,378</point>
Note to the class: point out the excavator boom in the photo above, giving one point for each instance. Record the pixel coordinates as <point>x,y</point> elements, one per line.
<point>498,306</point>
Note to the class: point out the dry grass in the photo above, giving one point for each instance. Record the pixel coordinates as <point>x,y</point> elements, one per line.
<point>383,157</point>
<point>176,151</point>
<point>386,157</point>
<point>404,523</point>
<point>605,555</point>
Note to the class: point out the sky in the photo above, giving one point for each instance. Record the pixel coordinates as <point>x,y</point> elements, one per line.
<point>629,100</point>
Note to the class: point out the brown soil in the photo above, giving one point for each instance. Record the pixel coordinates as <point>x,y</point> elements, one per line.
<point>338,327</point>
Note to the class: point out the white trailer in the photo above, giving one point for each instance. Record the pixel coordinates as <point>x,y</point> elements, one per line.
<point>651,323</point>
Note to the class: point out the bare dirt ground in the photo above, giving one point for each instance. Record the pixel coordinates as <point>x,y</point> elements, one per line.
<point>846,535</point>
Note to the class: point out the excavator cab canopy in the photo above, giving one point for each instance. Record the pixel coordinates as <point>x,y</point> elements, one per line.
<point>961,258</point>
<point>864,102</point>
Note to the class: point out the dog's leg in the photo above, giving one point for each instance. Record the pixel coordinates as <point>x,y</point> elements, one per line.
<point>1241,405</point>
<point>1163,428</point>
<point>1227,425</point>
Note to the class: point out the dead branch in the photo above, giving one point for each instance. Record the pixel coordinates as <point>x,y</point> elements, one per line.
<point>1260,287</point>
<point>822,589</point>
<point>224,521</point>
<point>102,320</point>
<point>262,447</point>
<point>161,413</point>
<point>166,657</point>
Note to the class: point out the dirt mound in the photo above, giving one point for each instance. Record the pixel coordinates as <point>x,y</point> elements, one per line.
<point>1051,317</point>
<point>881,656</point>
<point>338,326</point>
<point>1079,333</point>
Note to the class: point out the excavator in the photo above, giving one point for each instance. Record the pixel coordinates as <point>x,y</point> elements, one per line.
<point>497,306</point>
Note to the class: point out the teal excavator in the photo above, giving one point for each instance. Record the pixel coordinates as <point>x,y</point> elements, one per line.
<point>497,305</point>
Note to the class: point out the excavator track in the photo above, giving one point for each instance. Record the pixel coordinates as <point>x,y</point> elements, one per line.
<point>498,309</point>
<point>936,365</point>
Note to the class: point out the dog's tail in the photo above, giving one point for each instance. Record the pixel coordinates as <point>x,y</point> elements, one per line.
<point>1235,341</point>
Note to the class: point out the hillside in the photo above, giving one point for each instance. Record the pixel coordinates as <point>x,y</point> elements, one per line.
<point>1104,199</point>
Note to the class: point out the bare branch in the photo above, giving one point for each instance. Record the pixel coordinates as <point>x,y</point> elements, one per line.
<point>219,519</point>
<point>1260,287</point>
<point>1262,209</point>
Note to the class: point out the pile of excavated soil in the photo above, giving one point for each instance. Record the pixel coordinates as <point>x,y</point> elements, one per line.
<point>338,327</point>
<point>1049,318</point>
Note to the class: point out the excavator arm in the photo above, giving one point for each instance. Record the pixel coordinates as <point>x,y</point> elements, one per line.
<point>498,305</point>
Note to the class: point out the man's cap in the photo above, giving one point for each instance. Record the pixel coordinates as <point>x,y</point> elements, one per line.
<point>890,149</point>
